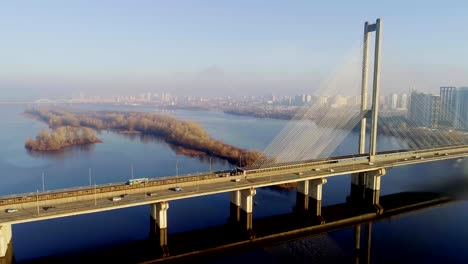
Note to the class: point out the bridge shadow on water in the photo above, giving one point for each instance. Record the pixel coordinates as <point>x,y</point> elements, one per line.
<point>241,233</point>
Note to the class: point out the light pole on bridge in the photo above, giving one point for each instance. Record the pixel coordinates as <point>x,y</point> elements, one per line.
<point>43,184</point>
<point>37,201</point>
<point>95,199</point>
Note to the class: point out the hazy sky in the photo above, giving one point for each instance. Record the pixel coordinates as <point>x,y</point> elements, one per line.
<point>56,48</point>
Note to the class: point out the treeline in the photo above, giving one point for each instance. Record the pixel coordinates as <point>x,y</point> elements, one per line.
<point>262,113</point>
<point>186,134</point>
<point>61,137</point>
<point>287,113</point>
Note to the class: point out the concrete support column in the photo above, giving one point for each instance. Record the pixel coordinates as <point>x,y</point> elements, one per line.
<point>246,197</point>
<point>158,228</point>
<point>242,207</point>
<point>315,188</point>
<point>365,188</point>
<point>159,213</point>
<point>302,202</point>
<point>5,239</point>
<point>309,197</point>
<point>373,179</point>
<point>236,198</point>
<point>358,178</point>
<point>358,187</point>
<point>303,187</point>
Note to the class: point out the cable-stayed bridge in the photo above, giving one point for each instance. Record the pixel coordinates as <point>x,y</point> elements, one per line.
<point>301,154</point>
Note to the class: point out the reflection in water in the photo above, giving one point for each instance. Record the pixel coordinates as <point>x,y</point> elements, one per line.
<point>152,139</point>
<point>63,153</point>
<point>241,233</point>
<point>143,138</point>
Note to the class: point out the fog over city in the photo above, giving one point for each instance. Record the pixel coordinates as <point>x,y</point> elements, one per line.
<point>58,49</point>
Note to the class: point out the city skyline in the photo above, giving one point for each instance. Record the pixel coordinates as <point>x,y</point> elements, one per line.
<point>52,48</point>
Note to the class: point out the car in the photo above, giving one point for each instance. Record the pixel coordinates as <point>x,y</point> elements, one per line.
<point>11,210</point>
<point>178,189</point>
<point>236,180</point>
<point>151,194</point>
<point>124,195</point>
<point>445,154</point>
<point>405,159</point>
<point>316,169</point>
<point>116,198</point>
<point>331,170</point>
<point>300,173</point>
<point>371,163</point>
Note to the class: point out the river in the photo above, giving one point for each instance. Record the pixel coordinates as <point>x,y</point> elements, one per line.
<point>432,236</point>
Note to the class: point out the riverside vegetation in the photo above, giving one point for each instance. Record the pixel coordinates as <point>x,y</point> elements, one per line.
<point>61,137</point>
<point>186,134</point>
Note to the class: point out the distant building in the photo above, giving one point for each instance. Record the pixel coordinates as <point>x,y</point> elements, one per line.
<point>338,101</point>
<point>447,106</point>
<point>394,101</point>
<point>322,100</point>
<point>461,108</point>
<point>403,102</point>
<point>424,109</point>
<point>302,99</point>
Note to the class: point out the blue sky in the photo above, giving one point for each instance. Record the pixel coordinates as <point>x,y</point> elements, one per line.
<point>58,47</point>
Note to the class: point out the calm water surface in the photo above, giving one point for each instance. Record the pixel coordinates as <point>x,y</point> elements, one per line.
<point>431,236</point>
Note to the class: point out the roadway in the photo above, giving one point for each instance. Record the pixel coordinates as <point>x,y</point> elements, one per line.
<point>33,211</point>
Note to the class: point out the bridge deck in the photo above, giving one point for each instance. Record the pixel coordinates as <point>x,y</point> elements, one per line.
<point>32,208</point>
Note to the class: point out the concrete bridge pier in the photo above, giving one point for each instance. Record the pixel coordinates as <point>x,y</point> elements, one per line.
<point>158,228</point>
<point>309,197</point>
<point>373,188</point>
<point>6,248</point>
<point>365,188</point>
<point>242,207</point>
<point>358,188</point>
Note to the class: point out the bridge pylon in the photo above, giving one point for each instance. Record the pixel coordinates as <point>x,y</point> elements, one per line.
<point>368,28</point>
<point>362,183</point>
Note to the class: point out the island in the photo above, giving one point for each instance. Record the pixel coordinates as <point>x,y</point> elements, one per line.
<point>189,136</point>
<point>61,137</point>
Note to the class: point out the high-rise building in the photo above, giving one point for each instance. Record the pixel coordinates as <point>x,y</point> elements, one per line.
<point>447,106</point>
<point>461,108</point>
<point>403,102</point>
<point>424,109</point>
<point>322,100</point>
<point>394,101</point>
